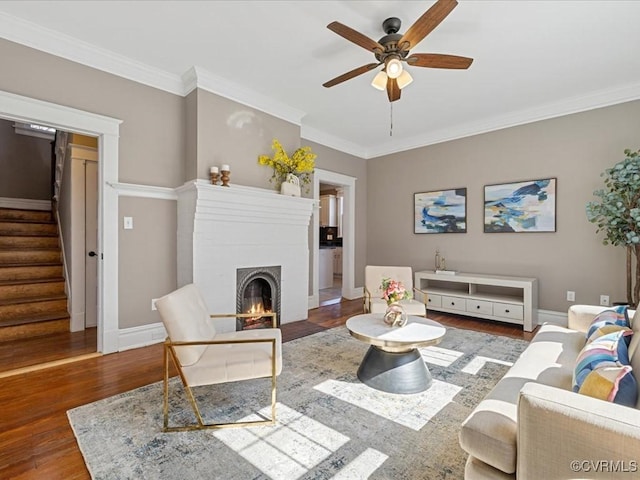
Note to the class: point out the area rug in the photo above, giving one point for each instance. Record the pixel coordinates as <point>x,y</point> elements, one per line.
<point>330,425</point>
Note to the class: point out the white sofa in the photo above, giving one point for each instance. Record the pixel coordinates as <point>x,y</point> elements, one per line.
<point>532,426</point>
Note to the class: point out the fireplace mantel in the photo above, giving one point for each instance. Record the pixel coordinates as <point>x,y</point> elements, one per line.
<point>221,229</point>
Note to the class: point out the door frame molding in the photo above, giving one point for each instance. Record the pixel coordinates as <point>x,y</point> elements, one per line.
<point>348,184</point>
<point>107,129</point>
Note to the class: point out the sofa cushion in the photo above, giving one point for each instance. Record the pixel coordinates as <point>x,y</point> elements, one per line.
<point>607,351</point>
<point>613,384</point>
<point>613,316</point>
<point>489,432</point>
<point>610,328</point>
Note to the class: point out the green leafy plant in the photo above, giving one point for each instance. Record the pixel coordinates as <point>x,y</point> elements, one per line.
<point>617,215</point>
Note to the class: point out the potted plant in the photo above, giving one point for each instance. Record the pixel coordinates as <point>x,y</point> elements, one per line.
<point>295,169</point>
<point>617,214</point>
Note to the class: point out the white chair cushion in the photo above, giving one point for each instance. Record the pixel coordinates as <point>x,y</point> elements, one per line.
<point>185,316</point>
<point>374,274</point>
<point>234,362</point>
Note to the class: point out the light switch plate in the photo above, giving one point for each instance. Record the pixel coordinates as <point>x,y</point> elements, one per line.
<point>128,223</point>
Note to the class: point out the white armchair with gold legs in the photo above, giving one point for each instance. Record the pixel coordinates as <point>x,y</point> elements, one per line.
<point>203,356</point>
<point>373,301</point>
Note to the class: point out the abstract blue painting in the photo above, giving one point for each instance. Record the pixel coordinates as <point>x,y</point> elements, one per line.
<point>520,207</point>
<point>442,211</point>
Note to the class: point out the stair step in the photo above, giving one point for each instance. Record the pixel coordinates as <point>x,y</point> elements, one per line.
<point>35,318</point>
<point>17,311</point>
<point>28,215</point>
<point>10,273</point>
<point>28,289</point>
<point>44,326</point>
<point>21,241</point>
<point>22,257</point>
<point>28,228</point>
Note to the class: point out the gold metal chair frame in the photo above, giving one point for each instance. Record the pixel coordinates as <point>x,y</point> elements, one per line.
<point>169,352</point>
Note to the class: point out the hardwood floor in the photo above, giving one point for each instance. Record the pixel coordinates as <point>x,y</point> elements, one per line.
<point>36,441</point>
<point>19,354</point>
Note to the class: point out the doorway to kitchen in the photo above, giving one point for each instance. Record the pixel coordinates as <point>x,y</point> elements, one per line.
<point>330,244</point>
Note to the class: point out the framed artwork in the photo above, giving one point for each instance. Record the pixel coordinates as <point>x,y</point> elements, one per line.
<point>520,206</point>
<point>441,211</point>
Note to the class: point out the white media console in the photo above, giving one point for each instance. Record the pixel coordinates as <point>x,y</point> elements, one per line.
<point>494,297</point>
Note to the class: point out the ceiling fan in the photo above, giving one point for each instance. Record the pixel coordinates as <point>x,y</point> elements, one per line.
<point>393,49</point>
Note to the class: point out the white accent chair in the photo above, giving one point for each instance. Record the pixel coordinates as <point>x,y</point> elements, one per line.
<point>373,301</point>
<point>204,357</point>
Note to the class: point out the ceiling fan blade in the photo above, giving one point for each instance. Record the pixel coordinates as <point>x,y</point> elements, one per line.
<point>349,75</point>
<point>438,60</point>
<point>426,23</point>
<point>355,37</point>
<point>393,91</point>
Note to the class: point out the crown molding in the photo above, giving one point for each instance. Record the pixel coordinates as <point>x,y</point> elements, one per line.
<point>331,141</point>
<point>601,99</point>
<point>55,43</point>
<point>201,78</point>
<point>35,36</point>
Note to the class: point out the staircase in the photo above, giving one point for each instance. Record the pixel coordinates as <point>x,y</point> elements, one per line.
<point>32,297</point>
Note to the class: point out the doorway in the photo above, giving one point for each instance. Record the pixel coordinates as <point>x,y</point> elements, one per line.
<point>345,186</point>
<point>25,109</point>
<point>330,245</point>
<point>71,205</point>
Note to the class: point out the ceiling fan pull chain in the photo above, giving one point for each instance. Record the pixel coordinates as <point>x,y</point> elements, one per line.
<point>391,119</point>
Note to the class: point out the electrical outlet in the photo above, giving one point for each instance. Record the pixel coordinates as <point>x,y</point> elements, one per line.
<point>571,296</point>
<point>604,300</point>
<point>153,304</point>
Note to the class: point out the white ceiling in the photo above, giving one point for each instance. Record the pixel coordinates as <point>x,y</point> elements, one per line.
<point>533,59</point>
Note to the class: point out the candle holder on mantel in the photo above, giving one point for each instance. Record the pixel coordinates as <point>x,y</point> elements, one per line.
<point>214,175</point>
<point>225,177</point>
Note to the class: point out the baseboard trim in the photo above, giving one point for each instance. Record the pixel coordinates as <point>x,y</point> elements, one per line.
<point>353,293</point>
<point>142,336</point>
<point>313,302</point>
<point>25,203</point>
<point>555,318</point>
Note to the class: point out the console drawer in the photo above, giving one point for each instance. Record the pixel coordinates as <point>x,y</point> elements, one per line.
<point>454,303</point>
<point>479,306</point>
<point>434,300</point>
<point>507,310</point>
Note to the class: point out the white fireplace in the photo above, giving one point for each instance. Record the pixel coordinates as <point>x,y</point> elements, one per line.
<point>224,229</point>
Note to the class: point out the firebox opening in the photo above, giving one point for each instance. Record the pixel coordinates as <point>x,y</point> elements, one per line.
<point>257,298</point>
<point>258,291</point>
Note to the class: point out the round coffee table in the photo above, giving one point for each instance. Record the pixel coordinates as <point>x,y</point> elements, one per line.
<point>393,362</point>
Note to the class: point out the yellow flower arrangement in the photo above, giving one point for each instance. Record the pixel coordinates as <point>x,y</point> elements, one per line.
<point>300,164</point>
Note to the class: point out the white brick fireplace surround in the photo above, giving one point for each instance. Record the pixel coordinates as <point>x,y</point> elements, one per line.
<point>222,229</point>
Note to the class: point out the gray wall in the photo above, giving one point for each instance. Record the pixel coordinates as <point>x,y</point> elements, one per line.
<point>234,134</point>
<point>147,266</point>
<point>25,163</point>
<point>575,149</point>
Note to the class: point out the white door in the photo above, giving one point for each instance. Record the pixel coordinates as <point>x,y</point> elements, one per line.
<point>91,243</point>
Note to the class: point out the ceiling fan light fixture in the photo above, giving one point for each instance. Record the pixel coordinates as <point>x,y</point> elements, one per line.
<point>393,67</point>
<point>404,79</point>
<point>380,81</point>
